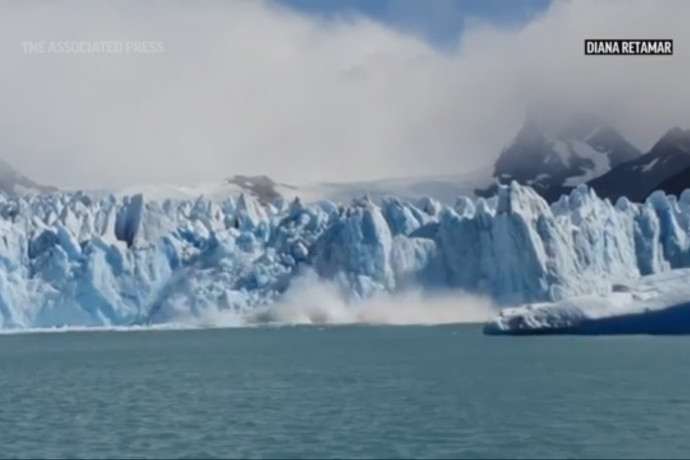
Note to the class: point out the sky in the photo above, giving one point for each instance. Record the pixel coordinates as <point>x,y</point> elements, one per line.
<point>317,90</point>
<point>439,22</point>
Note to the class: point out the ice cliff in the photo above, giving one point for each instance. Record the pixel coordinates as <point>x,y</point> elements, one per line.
<point>75,259</point>
<point>655,304</point>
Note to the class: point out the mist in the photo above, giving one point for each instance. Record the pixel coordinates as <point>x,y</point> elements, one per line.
<point>311,300</point>
<point>254,88</point>
<point>411,308</point>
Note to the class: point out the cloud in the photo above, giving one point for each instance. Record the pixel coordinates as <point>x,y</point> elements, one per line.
<point>249,87</point>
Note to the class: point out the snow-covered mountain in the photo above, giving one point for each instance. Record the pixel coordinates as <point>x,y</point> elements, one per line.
<point>72,259</point>
<point>445,189</point>
<point>262,188</point>
<point>638,178</point>
<point>675,184</point>
<point>14,182</point>
<point>554,152</point>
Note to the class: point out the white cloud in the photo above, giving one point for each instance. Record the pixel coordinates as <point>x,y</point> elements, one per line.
<point>246,87</point>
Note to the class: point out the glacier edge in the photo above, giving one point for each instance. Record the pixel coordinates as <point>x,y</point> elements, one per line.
<point>77,260</point>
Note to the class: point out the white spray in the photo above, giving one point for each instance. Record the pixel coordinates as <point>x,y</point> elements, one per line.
<point>311,300</point>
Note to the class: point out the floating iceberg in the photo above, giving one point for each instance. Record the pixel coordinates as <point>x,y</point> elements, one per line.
<point>655,304</point>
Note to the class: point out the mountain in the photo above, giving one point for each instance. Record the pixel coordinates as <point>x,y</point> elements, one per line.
<point>263,188</point>
<point>14,182</point>
<point>676,184</point>
<point>638,178</point>
<point>554,152</point>
<point>444,188</point>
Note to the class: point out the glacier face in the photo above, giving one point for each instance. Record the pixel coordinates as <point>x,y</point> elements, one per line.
<point>655,304</point>
<point>75,259</point>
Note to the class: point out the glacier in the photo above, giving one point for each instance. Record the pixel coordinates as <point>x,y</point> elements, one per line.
<point>75,259</point>
<point>655,304</point>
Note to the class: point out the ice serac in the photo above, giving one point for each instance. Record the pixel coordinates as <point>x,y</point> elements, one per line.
<point>524,250</point>
<point>81,260</point>
<point>357,248</point>
<point>472,246</point>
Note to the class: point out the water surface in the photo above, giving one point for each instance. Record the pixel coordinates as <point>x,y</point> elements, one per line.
<point>356,392</point>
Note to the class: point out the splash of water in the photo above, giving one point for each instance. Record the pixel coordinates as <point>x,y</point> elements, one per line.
<point>315,301</point>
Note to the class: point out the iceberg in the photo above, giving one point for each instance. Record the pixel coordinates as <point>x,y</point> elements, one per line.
<point>654,304</point>
<point>85,260</point>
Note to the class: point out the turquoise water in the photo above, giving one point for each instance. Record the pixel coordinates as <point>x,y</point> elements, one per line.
<point>356,392</point>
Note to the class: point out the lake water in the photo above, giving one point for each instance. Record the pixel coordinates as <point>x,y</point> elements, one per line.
<point>355,392</point>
